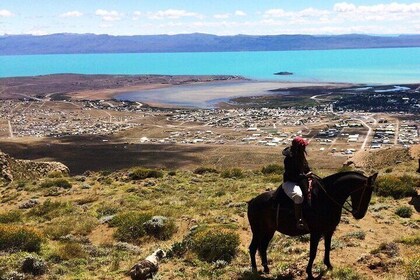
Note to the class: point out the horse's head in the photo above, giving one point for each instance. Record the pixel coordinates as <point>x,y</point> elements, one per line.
<point>360,199</point>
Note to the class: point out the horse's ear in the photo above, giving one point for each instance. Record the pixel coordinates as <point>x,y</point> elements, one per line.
<point>372,178</point>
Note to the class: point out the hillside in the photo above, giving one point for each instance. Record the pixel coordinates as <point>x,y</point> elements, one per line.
<point>90,43</point>
<point>91,227</point>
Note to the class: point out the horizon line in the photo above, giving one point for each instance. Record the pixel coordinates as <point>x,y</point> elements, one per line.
<point>210,34</point>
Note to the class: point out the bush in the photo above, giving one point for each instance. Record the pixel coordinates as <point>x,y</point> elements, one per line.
<point>13,216</point>
<point>412,269</point>
<point>178,249</point>
<point>202,170</point>
<point>390,249</point>
<point>19,238</point>
<point>232,173</point>
<point>77,225</point>
<point>49,210</point>
<point>143,173</point>
<point>107,210</point>
<point>213,245</point>
<point>346,273</point>
<point>404,212</point>
<point>397,186</point>
<point>55,174</point>
<point>60,183</point>
<point>345,168</point>
<point>273,169</point>
<point>71,250</point>
<point>388,170</point>
<point>130,226</point>
<point>160,227</point>
<point>410,240</point>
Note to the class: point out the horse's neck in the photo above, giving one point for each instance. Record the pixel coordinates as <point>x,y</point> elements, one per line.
<point>341,187</point>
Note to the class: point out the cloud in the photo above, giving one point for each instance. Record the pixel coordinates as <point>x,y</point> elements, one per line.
<point>240,13</point>
<point>394,7</point>
<point>71,14</point>
<point>6,13</point>
<point>274,13</point>
<point>137,15</point>
<point>109,15</point>
<point>221,16</point>
<point>173,14</point>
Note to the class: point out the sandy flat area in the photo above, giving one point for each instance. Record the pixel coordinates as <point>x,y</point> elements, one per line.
<point>208,94</point>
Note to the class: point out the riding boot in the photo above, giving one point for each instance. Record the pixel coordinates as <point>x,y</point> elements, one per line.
<point>300,224</point>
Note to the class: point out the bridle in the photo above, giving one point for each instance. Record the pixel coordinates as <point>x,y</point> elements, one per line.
<point>364,187</point>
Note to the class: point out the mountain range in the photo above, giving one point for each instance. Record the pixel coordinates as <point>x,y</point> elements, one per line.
<point>65,43</point>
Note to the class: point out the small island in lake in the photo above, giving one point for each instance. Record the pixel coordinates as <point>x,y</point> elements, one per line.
<point>283,73</point>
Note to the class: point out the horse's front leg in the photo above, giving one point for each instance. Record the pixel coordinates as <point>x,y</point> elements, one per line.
<point>312,253</point>
<point>327,243</point>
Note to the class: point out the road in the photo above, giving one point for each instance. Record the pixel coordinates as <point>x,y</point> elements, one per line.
<point>10,128</point>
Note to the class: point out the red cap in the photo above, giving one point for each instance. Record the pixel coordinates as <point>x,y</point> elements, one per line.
<point>299,141</point>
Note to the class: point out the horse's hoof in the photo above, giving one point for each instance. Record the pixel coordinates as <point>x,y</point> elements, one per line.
<point>329,267</point>
<point>254,269</point>
<point>266,269</point>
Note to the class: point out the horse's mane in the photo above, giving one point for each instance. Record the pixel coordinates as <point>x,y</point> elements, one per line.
<point>330,179</point>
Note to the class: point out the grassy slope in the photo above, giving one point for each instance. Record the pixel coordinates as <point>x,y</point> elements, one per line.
<point>196,199</point>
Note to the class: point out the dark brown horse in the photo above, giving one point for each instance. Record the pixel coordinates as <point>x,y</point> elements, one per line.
<point>267,214</point>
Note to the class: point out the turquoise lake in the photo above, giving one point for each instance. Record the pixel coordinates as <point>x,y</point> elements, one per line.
<point>375,66</point>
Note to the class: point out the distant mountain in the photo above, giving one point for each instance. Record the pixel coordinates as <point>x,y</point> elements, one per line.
<point>90,43</point>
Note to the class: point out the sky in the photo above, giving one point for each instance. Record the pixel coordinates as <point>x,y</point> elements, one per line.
<point>221,17</point>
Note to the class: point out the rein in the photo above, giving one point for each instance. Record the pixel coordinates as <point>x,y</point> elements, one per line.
<point>321,184</point>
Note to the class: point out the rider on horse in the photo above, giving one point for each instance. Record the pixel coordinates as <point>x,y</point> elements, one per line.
<point>296,170</point>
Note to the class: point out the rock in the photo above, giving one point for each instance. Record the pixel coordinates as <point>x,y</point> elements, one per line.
<point>106,219</point>
<point>85,186</point>
<point>34,265</point>
<point>124,246</point>
<point>29,204</point>
<point>15,169</point>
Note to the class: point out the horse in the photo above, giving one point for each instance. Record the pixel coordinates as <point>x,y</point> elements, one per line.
<point>273,211</point>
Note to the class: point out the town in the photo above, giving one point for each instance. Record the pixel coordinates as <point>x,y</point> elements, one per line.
<point>336,132</point>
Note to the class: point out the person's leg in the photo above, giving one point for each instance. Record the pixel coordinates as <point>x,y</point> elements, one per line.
<point>295,193</point>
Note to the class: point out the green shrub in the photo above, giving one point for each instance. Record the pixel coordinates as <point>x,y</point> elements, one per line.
<point>203,169</point>
<point>172,173</point>
<point>410,240</point>
<point>346,273</point>
<point>106,210</point>
<point>390,249</point>
<point>49,209</point>
<point>143,173</point>
<point>388,170</point>
<point>77,225</point>
<point>397,186</point>
<point>161,229</point>
<point>55,174</point>
<point>356,234</point>
<point>212,245</point>
<point>345,168</point>
<point>232,173</point>
<point>412,269</point>
<point>404,211</point>
<point>19,238</point>
<point>273,169</point>
<point>13,216</point>
<point>71,250</point>
<point>178,249</point>
<point>130,226</point>
<point>60,183</point>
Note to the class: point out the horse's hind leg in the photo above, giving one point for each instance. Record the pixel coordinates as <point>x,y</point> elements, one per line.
<point>252,251</point>
<point>262,248</point>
